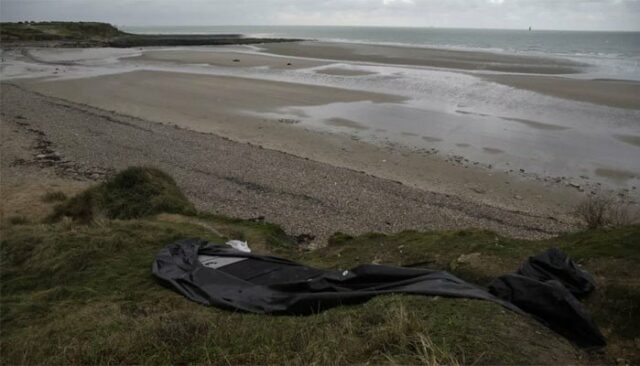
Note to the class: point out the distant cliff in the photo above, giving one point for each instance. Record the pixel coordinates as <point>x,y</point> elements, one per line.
<point>57,31</point>
<point>93,34</point>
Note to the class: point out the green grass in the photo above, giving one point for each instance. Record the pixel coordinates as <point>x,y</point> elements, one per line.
<point>52,31</point>
<point>56,196</point>
<point>612,255</point>
<point>75,293</point>
<point>133,193</point>
<point>84,295</point>
<point>93,34</point>
<point>18,220</point>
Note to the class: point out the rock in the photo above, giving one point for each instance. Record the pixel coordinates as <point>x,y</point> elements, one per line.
<point>472,259</point>
<point>574,185</point>
<point>51,156</point>
<point>468,258</point>
<point>518,197</point>
<point>478,190</point>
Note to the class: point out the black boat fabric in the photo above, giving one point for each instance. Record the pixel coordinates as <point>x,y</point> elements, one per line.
<point>546,286</point>
<point>553,264</point>
<point>271,285</point>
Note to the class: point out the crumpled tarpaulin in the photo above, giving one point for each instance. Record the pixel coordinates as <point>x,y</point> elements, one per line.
<point>546,287</point>
<point>217,275</point>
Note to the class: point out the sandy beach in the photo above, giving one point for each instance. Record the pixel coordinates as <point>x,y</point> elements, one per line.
<point>465,60</point>
<point>193,101</point>
<point>303,133</point>
<point>612,93</point>
<point>227,59</point>
<point>232,178</point>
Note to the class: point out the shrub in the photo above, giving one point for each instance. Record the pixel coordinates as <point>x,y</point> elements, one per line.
<point>623,214</point>
<point>604,211</point>
<point>54,197</point>
<point>133,193</point>
<point>18,220</point>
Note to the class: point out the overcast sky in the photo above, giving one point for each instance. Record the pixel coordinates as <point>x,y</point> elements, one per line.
<point>541,14</point>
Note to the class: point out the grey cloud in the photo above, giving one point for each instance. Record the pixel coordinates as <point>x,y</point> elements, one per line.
<point>549,14</point>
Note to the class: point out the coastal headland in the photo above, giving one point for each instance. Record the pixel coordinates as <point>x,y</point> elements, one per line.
<point>94,34</point>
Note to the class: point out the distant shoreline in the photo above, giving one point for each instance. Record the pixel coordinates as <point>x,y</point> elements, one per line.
<point>90,34</point>
<point>475,125</point>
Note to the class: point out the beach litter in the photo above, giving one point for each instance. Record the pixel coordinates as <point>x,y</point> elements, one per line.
<point>546,287</point>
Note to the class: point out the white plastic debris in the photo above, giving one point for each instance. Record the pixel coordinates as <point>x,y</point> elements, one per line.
<point>218,262</point>
<point>242,246</point>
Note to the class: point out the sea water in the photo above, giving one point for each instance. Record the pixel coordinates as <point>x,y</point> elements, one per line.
<point>454,113</point>
<point>615,55</point>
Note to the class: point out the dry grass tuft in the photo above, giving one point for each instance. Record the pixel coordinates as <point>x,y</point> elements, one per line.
<point>133,193</point>
<point>56,196</point>
<point>605,211</point>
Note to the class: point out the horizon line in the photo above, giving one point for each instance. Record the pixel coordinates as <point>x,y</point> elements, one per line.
<point>378,26</point>
<point>525,28</point>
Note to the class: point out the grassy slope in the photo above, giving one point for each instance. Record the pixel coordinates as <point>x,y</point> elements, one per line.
<point>83,294</point>
<point>91,34</point>
<point>52,31</point>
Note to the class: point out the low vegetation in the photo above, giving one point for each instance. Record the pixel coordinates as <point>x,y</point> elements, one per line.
<point>133,193</point>
<point>80,291</point>
<point>92,34</point>
<point>56,196</point>
<point>57,31</point>
<point>605,211</point>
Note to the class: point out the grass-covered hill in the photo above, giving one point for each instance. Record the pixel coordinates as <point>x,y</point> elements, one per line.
<point>93,34</point>
<point>55,31</point>
<point>77,289</point>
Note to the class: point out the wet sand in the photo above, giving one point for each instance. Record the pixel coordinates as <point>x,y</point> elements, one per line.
<point>226,59</point>
<point>536,124</point>
<point>613,93</point>
<point>465,60</point>
<point>227,107</point>
<point>336,71</point>
<point>342,122</point>
<point>619,175</point>
<point>243,180</point>
<point>629,139</point>
<point>195,101</point>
